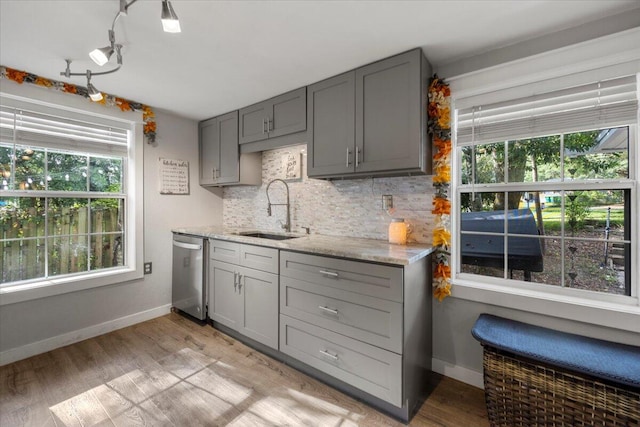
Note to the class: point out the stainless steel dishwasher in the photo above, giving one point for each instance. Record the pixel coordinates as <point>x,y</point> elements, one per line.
<point>189,274</point>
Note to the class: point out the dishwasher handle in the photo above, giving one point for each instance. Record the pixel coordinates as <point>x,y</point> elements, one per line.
<point>190,246</point>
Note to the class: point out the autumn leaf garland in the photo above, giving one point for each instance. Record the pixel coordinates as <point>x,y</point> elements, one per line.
<point>148,115</point>
<point>439,127</point>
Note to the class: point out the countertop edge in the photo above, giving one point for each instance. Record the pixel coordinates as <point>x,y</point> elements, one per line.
<point>361,249</point>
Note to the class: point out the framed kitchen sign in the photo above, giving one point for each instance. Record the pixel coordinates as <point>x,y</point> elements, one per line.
<point>291,163</point>
<point>173,176</point>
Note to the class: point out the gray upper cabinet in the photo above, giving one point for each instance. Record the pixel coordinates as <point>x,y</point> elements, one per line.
<point>253,122</point>
<point>388,135</point>
<point>283,115</point>
<point>220,161</point>
<point>209,140</point>
<point>390,114</point>
<point>331,126</point>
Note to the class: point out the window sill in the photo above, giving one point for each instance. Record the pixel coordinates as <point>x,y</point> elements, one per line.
<point>57,286</point>
<point>624,315</point>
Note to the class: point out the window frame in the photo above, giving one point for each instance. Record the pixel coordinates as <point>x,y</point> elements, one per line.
<point>615,311</point>
<point>37,99</point>
<point>629,184</point>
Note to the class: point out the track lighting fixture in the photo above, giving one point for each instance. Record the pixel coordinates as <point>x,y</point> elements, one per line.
<point>102,55</point>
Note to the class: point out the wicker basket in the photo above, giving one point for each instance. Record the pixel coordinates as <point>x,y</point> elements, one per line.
<point>521,392</point>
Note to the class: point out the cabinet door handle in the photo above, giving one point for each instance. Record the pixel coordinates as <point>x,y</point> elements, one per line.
<point>264,125</point>
<point>270,125</point>
<point>326,353</point>
<point>328,273</point>
<point>235,280</point>
<point>348,157</point>
<point>357,156</point>
<point>240,276</point>
<point>328,310</point>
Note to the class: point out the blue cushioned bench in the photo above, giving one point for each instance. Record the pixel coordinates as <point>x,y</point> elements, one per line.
<point>539,376</point>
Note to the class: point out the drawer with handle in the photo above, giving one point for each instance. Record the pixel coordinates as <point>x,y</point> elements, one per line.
<point>221,250</point>
<point>372,320</point>
<point>371,369</point>
<point>376,280</point>
<point>258,257</point>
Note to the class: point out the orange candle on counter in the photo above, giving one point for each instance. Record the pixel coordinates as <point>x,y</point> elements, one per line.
<point>398,231</point>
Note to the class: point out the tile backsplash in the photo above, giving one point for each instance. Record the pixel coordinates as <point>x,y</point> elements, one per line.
<point>350,207</point>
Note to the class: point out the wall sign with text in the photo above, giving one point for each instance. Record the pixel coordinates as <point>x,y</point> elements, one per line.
<point>173,176</point>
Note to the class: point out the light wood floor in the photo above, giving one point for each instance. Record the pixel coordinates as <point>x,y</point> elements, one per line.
<point>171,371</point>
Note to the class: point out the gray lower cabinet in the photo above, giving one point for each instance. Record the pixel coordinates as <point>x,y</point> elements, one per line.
<point>243,289</point>
<point>376,371</point>
<point>282,115</point>
<point>371,121</point>
<point>364,324</point>
<point>220,160</point>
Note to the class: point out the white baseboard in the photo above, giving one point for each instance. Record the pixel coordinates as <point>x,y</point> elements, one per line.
<point>19,353</point>
<point>459,373</point>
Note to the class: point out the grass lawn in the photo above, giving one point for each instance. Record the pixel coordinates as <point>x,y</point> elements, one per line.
<point>596,217</point>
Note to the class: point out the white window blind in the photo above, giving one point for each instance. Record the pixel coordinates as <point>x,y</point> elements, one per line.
<point>24,127</point>
<point>597,105</point>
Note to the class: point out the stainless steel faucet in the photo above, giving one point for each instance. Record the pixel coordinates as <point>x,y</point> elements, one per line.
<point>287,225</point>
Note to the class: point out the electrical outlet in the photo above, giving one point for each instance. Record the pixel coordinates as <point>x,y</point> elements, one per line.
<point>147,268</point>
<point>387,201</point>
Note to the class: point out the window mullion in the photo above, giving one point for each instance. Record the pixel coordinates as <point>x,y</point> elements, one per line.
<point>46,238</point>
<point>88,236</point>
<point>505,231</point>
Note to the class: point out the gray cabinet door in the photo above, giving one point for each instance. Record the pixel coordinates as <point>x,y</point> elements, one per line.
<point>283,115</point>
<point>258,291</point>
<point>225,303</point>
<point>331,126</point>
<point>253,122</point>
<point>288,113</point>
<point>389,111</point>
<point>229,168</point>
<point>209,146</point>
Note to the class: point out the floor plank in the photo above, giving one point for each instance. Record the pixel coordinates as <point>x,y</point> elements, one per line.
<point>171,371</point>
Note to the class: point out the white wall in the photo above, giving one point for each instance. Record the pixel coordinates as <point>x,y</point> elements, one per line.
<point>34,326</point>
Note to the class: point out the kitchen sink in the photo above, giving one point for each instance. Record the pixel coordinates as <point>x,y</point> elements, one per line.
<point>267,236</point>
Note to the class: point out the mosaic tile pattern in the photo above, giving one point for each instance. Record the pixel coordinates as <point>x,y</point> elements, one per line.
<point>351,207</point>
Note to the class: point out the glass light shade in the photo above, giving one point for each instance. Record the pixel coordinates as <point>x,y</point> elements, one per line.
<point>170,22</point>
<point>398,231</point>
<point>94,93</point>
<point>171,26</point>
<point>101,55</point>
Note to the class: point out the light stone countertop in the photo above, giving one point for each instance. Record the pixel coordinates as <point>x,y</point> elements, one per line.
<point>345,247</point>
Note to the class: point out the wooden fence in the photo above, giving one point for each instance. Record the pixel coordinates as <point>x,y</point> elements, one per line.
<point>71,247</point>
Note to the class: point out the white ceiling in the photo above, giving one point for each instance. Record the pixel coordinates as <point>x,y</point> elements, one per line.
<point>234,53</point>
